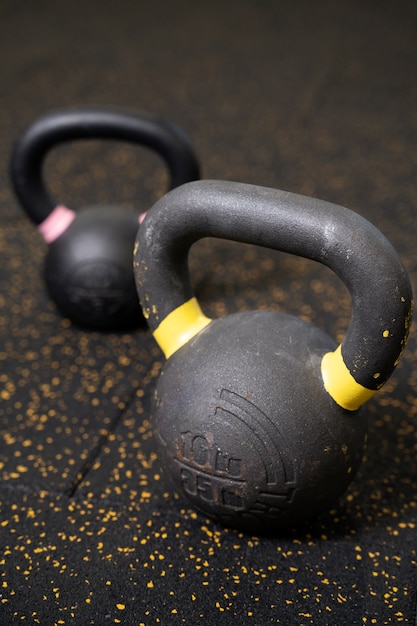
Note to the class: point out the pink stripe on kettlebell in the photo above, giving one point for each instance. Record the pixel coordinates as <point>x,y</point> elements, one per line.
<point>56,223</point>
<point>142,217</point>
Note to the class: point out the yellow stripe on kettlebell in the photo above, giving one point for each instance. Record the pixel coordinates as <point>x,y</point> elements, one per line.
<point>180,326</point>
<point>340,384</point>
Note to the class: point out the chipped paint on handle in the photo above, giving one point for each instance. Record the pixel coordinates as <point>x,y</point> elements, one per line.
<point>181,325</point>
<point>340,383</point>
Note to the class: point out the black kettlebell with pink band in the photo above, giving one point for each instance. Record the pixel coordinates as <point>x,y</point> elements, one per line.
<point>88,268</point>
<point>258,414</point>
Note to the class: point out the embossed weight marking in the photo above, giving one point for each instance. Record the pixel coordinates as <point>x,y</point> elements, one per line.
<point>258,414</point>
<point>212,472</point>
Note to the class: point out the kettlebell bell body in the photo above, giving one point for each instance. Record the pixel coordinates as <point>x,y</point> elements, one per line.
<point>258,414</point>
<point>244,452</point>
<point>88,266</point>
<point>91,258</point>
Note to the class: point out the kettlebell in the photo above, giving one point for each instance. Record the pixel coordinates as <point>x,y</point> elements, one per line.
<point>88,266</point>
<point>258,414</point>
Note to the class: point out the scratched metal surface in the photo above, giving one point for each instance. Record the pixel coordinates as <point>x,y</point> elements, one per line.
<point>315,98</point>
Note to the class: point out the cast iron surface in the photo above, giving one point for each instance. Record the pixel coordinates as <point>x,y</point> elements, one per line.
<point>244,427</point>
<point>333,235</point>
<point>318,98</point>
<point>247,392</point>
<point>88,268</point>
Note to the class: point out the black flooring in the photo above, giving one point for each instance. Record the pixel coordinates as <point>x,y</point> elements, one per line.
<point>318,98</point>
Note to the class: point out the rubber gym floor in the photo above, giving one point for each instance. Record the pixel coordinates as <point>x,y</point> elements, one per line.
<point>317,98</point>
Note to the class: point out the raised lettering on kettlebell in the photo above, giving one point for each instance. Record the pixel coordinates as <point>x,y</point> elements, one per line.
<point>88,268</point>
<point>258,414</point>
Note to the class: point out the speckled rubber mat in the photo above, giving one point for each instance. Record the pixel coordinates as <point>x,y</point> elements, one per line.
<point>318,98</point>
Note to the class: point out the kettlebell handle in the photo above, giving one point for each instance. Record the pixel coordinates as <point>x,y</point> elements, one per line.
<point>65,125</point>
<point>335,236</point>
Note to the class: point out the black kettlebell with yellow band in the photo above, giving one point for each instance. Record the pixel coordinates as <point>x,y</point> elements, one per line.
<point>88,267</point>
<point>258,414</point>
